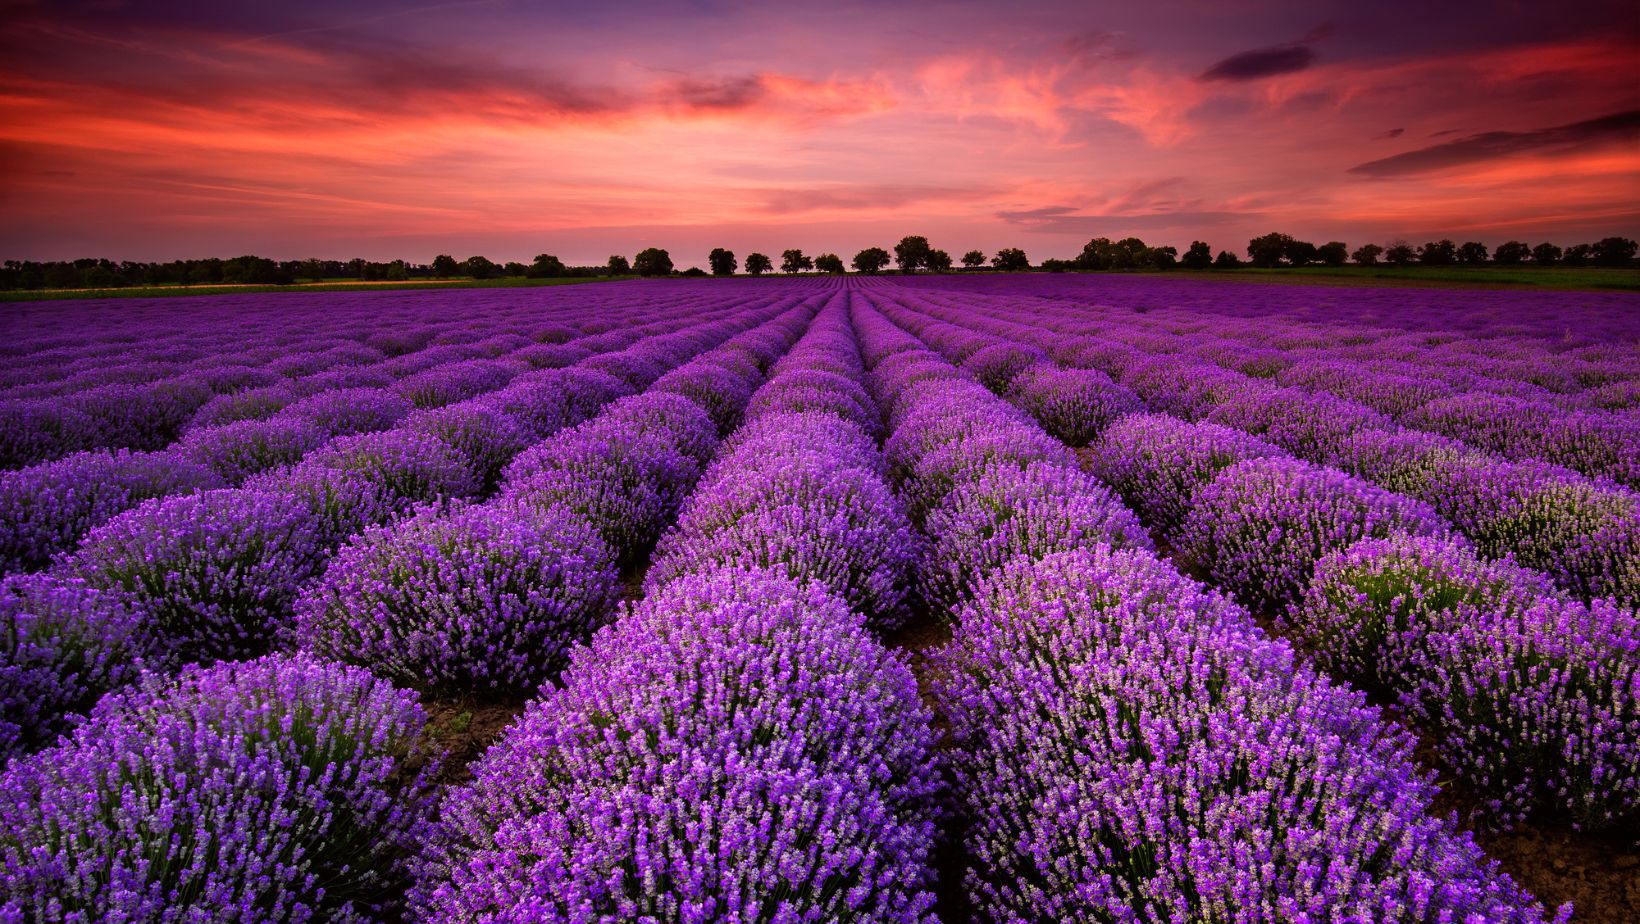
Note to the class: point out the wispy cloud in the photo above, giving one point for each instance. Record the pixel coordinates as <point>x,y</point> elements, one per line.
<point>1620,128</point>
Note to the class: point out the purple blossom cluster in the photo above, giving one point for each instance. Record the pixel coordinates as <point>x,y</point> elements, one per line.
<point>282,789</point>
<point>45,509</point>
<point>1073,405</point>
<point>212,575</point>
<point>802,490</point>
<point>1129,747</point>
<point>468,598</point>
<point>63,645</point>
<point>736,748</point>
<point>1535,698</point>
<point>1259,527</point>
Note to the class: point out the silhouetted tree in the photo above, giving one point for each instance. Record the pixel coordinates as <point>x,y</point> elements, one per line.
<point>793,261</point>
<point>973,259</point>
<point>722,261</point>
<point>871,260</point>
<point>511,268</point>
<point>1510,253</point>
<point>693,271</point>
<point>1056,265</point>
<point>1009,260</point>
<point>546,266</point>
<point>829,263</point>
<point>757,263</point>
<point>1162,258</point>
<point>938,261</point>
<point>1199,256</point>
<point>1438,253</point>
<point>479,268</point>
<point>445,266</point>
<point>618,266</point>
<point>652,261</point>
<point>1333,253</point>
<point>1300,253</point>
<point>1577,255</point>
<point>1267,250</point>
<point>1367,254</point>
<point>1472,253</point>
<point>1545,254</point>
<point>1615,251</point>
<point>911,253</point>
<point>1226,260</point>
<point>1399,253</point>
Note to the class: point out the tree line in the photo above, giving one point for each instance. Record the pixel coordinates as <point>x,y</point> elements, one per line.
<point>912,254</point>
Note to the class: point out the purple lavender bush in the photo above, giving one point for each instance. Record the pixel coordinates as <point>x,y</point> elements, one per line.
<point>735,748</point>
<point>477,598</point>
<point>1035,511</point>
<point>282,789</point>
<point>347,411</point>
<point>212,575</point>
<point>1258,528</point>
<point>62,646</point>
<point>996,366</point>
<point>46,509</point>
<point>485,438</point>
<point>247,404</point>
<point>1535,699</point>
<point>238,450</point>
<point>1129,747</point>
<point>416,466</point>
<point>1073,405</point>
<point>1157,463</point>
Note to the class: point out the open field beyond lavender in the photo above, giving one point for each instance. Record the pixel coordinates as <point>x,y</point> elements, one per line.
<point>942,598</point>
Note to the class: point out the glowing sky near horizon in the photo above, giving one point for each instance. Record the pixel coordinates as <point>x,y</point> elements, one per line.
<point>156,130</point>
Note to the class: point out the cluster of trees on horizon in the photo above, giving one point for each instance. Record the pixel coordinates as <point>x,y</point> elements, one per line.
<point>912,254</point>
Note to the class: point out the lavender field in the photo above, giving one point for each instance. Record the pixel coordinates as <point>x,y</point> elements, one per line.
<point>1024,598</point>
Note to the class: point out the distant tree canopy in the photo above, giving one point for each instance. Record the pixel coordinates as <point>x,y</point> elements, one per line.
<point>546,266</point>
<point>1333,253</point>
<point>1577,255</point>
<point>722,261</point>
<point>1510,253</point>
<point>871,260</point>
<point>1199,256</point>
<point>794,261</point>
<point>652,261</point>
<point>1399,253</point>
<point>1008,260</point>
<point>937,261</point>
<point>911,253</point>
<point>1438,253</point>
<point>1615,251</point>
<point>1546,254</point>
<point>829,263</point>
<point>973,259</point>
<point>1472,253</point>
<point>1367,254</point>
<point>480,268</point>
<point>757,263</point>
<point>445,266</point>
<point>1226,260</point>
<point>1102,253</point>
<point>618,266</point>
<point>1269,249</point>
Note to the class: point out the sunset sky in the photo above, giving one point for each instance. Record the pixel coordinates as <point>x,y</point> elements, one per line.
<point>157,130</point>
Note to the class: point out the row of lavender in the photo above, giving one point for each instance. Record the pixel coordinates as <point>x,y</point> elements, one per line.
<point>1533,698</point>
<point>1130,746</point>
<point>737,747</point>
<point>143,379</point>
<point>214,574</point>
<point>1582,531</point>
<point>456,597</point>
<point>1576,349</point>
<point>47,508</point>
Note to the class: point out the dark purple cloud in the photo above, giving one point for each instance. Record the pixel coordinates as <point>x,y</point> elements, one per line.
<point>1391,133</point>
<point>1261,62</point>
<point>1619,128</point>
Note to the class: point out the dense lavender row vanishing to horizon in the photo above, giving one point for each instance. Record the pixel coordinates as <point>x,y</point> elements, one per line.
<point>1039,598</point>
